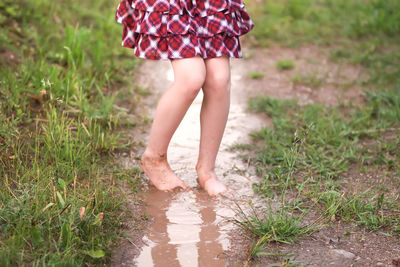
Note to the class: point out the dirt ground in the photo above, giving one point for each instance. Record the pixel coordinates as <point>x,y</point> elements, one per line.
<point>338,244</point>
<point>335,244</point>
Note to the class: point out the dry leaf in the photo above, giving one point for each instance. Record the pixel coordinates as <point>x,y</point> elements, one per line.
<point>39,97</point>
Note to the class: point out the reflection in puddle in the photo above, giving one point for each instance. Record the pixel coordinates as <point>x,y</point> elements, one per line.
<point>184,232</point>
<point>189,228</point>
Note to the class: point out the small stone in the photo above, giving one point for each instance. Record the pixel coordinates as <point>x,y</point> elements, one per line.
<point>379,264</point>
<point>343,253</point>
<point>329,240</point>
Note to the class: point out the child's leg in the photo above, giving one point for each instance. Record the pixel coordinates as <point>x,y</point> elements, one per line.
<point>189,75</point>
<point>213,117</point>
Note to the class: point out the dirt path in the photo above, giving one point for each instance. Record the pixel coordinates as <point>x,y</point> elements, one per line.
<point>190,228</point>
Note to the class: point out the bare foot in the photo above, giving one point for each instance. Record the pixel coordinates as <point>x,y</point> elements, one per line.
<point>160,173</point>
<point>210,183</point>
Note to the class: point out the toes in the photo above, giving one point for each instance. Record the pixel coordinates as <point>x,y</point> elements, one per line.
<point>184,186</point>
<point>214,189</point>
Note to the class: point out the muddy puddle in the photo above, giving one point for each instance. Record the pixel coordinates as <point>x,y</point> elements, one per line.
<point>190,228</point>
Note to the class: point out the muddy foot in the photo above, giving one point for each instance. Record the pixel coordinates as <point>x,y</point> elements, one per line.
<point>160,173</point>
<point>210,183</point>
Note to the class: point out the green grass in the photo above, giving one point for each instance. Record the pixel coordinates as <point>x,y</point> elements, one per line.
<point>285,64</point>
<point>302,21</point>
<point>59,124</point>
<point>319,144</point>
<point>372,212</point>
<point>271,226</point>
<point>256,75</point>
<point>281,226</point>
<point>356,31</point>
<point>306,156</point>
<point>312,80</point>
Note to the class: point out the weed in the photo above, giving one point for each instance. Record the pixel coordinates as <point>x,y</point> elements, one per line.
<point>257,248</point>
<point>358,208</point>
<point>285,64</point>
<point>256,75</point>
<point>280,226</point>
<point>272,226</point>
<point>312,80</point>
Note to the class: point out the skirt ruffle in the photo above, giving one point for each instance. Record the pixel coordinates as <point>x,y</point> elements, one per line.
<point>166,29</point>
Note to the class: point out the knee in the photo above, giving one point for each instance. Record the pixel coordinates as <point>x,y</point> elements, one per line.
<point>218,84</point>
<point>190,83</point>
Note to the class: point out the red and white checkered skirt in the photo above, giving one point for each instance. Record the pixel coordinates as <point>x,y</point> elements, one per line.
<point>167,29</point>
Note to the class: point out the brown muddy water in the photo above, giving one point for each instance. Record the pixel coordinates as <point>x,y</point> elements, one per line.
<point>190,228</point>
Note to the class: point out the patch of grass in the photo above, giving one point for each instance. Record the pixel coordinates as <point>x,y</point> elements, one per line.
<point>374,213</point>
<point>143,91</point>
<point>308,139</point>
<point>256,75</point>
<point>271,226</point>
<point>312,80</point>
<point>285,64</point>
<point>132,177</point>
<point>59,124</point>
<point>318,144</point>
<point>397,228</point>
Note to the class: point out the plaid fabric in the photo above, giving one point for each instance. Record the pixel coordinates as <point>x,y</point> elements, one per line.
<point>166,29</point>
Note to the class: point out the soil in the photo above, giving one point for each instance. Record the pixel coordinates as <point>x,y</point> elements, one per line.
<point>7,57</point>
<point>191,229</point>
<point>133,229</point>
<point>323,81</point>
<point>327,246</point>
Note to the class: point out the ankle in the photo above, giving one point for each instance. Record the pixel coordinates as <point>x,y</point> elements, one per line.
<point>149,155</point>
<point>205,174</point>
<point>200,169</point>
